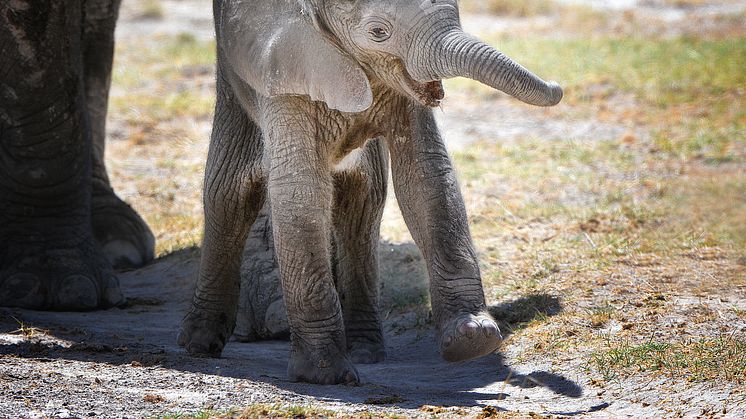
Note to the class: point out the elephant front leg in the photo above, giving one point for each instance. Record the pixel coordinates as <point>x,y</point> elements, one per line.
<point>300,190</point>
<point>48,258</point>
<point>430,200</point>
<point>360,195</point>
<point>233,195</point>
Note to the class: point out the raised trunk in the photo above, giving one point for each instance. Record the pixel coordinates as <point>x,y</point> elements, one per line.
<point>457,54</point>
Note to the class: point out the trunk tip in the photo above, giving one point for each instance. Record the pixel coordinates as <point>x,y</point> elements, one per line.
<point>555,94</point>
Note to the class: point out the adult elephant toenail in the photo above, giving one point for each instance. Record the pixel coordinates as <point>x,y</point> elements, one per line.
<point>22,290</point>
<point>78,292</point>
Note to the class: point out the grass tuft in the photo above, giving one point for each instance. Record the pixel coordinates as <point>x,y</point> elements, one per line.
<point>707,359</point>
<point>28,331</point>
<point>151,9</point>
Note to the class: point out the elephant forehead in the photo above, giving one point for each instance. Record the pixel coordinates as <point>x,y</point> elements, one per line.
<point>429,5</point>
<point>406,10</point>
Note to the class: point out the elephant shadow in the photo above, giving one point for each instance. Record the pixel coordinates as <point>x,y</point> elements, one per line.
<point>413,375</point>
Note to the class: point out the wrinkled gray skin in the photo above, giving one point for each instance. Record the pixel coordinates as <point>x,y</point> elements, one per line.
<point>61,225</point>
<point>312,98</point>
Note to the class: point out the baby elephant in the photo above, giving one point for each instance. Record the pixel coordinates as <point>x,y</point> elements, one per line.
<point>312,97</point>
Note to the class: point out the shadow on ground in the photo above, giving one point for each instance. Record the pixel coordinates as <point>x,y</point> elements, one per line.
<point>144,334</point>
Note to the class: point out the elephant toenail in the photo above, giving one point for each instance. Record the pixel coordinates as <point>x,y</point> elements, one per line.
<point>182,339</point>
<point>22,290</point>
<point>351,378</point>
<point>112,293</point>
<point>78,292</point>
<point>468,328</point>
<point>197,349</point>
<point>447,340</point>
<point>276,319</point>
<point>490,328</point>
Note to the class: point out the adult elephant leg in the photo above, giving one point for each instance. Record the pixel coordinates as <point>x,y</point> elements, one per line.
<point>233,195</point>
<point>48,258</point>
<point>360,195</point>
<point>430,200</point>
<point>300,191</point>
<point>123,236</point>
<point>261,309</point>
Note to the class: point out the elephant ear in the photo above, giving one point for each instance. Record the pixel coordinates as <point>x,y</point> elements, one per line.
<point>287,55</point>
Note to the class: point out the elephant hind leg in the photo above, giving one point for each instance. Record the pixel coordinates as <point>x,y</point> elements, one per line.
<point>360,195</point>
<point>234,193</point>
<point>261,309</point>
<point>124,237</point>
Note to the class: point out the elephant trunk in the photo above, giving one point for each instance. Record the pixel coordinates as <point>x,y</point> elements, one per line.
<point>457,54</point>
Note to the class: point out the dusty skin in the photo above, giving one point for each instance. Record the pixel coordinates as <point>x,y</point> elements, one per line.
<point>124,362</point>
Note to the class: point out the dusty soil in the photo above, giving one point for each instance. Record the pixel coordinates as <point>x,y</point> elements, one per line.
<point>124,362</point>
<point>116,363</point>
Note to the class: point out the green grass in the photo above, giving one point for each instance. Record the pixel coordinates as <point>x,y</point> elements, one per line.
<point>609,201</point>
<point>697,360</point>
<point>169,55</point>
<point>662,71</point>
<point>688,93</point>
<point>520,8</point>
<point>171,79</point>
<point>691,89</point>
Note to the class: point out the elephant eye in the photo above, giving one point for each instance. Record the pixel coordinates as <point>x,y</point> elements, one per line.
<point>378,34</point>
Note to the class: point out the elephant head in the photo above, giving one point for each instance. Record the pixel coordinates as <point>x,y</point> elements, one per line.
<point>328,49</point>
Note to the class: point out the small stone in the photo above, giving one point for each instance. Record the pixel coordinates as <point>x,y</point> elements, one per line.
<point>63,414</point>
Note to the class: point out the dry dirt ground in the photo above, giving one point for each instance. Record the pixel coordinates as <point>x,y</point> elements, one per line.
<point>612,254</point>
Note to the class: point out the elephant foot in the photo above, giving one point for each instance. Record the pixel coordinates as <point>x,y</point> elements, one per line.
<point>261,309</point>
<point>204,334</point>
<point>275,325</point>
<point>366,353</point>
<point>365,340</point>
<point>325,367</point>
<point>469,336</point>
<point>123,236</point>
<point>70,279</point>
<point>244,331</point>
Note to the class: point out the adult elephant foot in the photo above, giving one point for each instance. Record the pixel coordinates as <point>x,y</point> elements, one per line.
<point>59,278</point>
<point>468,336</point>
<point>204,333</point>
<point>123,236</point>
<point>321,366</point>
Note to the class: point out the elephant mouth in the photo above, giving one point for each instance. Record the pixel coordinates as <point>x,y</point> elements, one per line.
<point>430,93</point>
